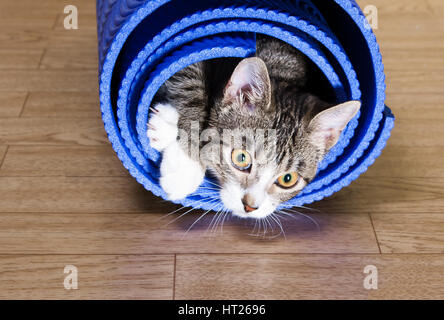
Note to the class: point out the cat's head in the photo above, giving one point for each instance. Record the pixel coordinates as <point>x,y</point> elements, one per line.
<point>261,171</point>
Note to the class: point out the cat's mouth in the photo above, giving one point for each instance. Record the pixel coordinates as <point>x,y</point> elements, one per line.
<point>259,213</point>
<point>232,197</point>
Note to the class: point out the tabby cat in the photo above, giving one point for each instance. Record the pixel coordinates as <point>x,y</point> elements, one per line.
<point>279,92</point>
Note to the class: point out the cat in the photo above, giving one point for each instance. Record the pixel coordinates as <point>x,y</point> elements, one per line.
<point>279,89</point>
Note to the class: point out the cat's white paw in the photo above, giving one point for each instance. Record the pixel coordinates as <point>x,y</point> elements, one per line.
<point>180,175</point>
<point>162,126</point>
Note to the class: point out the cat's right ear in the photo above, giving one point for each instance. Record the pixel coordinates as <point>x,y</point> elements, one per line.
<point>250,84</point>
<point>325,129</point>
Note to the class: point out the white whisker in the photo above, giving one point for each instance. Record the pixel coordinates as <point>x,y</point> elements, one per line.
<point>308,217</point>
<point>226,214</point>
<point>212,220</point>
<point>183,214</point>
<point>303,207</point>
<point>181,208</point>
<point>276,219</point>
<point>209,188</point>
<point>214,184</point>
<point>197,220</point>
<point>214,228</point>
<point>209,194</point>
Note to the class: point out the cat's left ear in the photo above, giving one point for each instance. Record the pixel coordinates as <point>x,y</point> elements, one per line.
<point>326,128</point>
<point>250,84</point>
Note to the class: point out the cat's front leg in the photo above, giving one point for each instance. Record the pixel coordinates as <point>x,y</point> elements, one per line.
<point>180,174</point>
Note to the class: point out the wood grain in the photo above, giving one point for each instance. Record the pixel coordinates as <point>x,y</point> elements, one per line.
<point>417,106</point>
<point>72,105</point>
<point>387,194</point>
<point>406,81</point>
<point>411,25</point>
<point>417,133</point>
<point>436,5</point>
<point>428,60</point>
<point>75,194</point>
<point>71,161</point>
<point>13,38</point>
<point>307,276</point>
<point>3,150</point>
<point>30,9</point>
<point>404,7</point>
<point>409,162</point>
<point>410,233</point>
<point>395,195</point>
<point>52,131</point>
<point>11,103</point>
<point>49,80</point>
<point>147,233</point>
<point>66,199</point>
<point>29,24</point>
<point>25,21</point>
<point>29,14</point>
<point>99,277</point>
<point>20,59</point>
<point>65,58</point>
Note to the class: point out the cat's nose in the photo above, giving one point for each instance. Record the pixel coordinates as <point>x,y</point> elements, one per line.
<point>249,209</point>
<point>248,201</point>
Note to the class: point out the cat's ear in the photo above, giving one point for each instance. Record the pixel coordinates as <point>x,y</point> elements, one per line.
<point>250,84</point>
<point>325,129</point>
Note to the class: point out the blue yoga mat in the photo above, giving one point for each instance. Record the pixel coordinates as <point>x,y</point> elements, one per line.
<point>144,42</point>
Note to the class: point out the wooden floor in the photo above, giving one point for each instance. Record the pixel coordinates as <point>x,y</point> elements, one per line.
<point>65,199</point>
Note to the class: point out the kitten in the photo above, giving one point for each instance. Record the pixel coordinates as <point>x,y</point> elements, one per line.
<point>273,91</point>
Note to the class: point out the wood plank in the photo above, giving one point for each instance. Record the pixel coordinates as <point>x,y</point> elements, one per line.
<point>29,8</point>
<point>413,31</point>
<point>71,161</point>
<point>436,5</point>
<point>3,150</point>
<point>417,133</point>
<point>42,9</point>
<point>427,40</point>
<point>425,60</point>
<point>99,277</point>
<point>307,277</point>
<point>147,233</point>
<point>49,80</point>
<point>28,24</point>
<point>25,21</point>
<point>71,105</point>
<point>409,162</point>
<point>417,106</point>
<point>387,194</point>
<point>410,233</point>
<point>415,81</point>
<point>11,103</point>
<point>65,58</point>
<point>68,194</point>
<point>404,7</point>
<point>123,194</point>
<point>13,38</point>
<point>52,131</point>
<point>20,59</point>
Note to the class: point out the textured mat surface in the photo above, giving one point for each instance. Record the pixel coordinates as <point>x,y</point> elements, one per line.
<point>143,43</point>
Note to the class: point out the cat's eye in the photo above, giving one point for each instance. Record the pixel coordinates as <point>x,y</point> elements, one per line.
<point>288,180</point>
<point>241,159</point>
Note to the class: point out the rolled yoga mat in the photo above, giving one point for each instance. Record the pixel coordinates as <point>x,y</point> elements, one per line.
<point>142,43</point>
